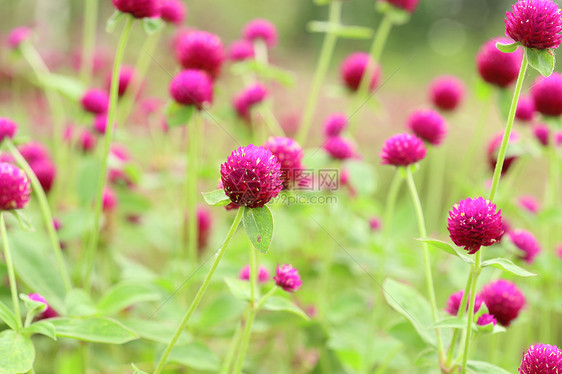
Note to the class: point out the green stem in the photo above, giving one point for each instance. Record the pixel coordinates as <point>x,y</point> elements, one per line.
<point>11,272</point>
<point>94,236</point>
<point>225,369</point>
<point>200,293</point>
<point>322,66</point>
<point>509,125</point>
<point>88,40</point>
<point>475,273</point>
<point>460,314</point>
<point>265,297</point>
<point>427,262</point>
<point>190,216</point>
<point>45,212</point>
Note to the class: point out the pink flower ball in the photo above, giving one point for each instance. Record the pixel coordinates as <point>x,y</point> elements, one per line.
<point>204,222</point>
<point>33,151</point>
<point>353,68</point>
<point>335,124</point>
<point>192,87</point>
<point>375,224</point>
<point>541,359</point>
<point>263,274</point>
<point>139,8</point>
<point>504,300</point>
<point>126,76</point>
<point>455,299</point>
<point>527,243</point>
<point>241,50</point>
<point>542,133</point>
<point>261,29</point>
<point>289,155</point>
<point>407,5</point>
<point>547,94</point>
<point>109,200</point>
<point>15,188</point>
<point>200,50</point>
<point>48,312</point>
<point>8,129</point>
<point>339,148</point>
<point>446,92</point>
<point>95,101</point>
<point>87,141</point>
<point>428,125</point>
<point>529,203</point>
<point>287,278</point>
<point>534,23</point>
<point>493,149</point>
<point>248,98</point>
<point>402,150</point>
<point>100,123</point>
<point>173,11</point>
<point>496,67</point>
<point>525,111</point>
<point>486,319</point>
<point>45,171</point>
<point>17,36</point>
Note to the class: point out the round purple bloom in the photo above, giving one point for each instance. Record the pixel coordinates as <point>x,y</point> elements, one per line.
<point>407,5</point>
<point>446,92</point>
<point>529,203</point>
<point>45,171</point>
<point>525,111</point>
<point>496,67</point>
<point>335,124</point>
<point>8,129</point>
<point>339,148</point>
<point>261,29</point>
<point>204,222</point>
<point>534,24</point>
<point>95,101</point>
<point>33,152</point>
<point>192,87</point>
<point>493,149</point>
<point>17,36</point>
<point>547,94</point>
<point>100,123</point>
<point>375,223</point>
<point>15,188</point>
<point>289,154</point>
<point>200,50</point>
<point>139,8</point>
<point>486,319</point>
<point>173,11</point>
<point>249,97</point>
<point>504,300</point>
<point>541,359</point>
<point>455,299</point>
<point>527,243</point>
<point>287,278</point>
<point>241,50</point>
<point>402,150</point>
<point>473,223</point>
<point>428,125</point>
<point>353,68</point>
<point>48,312</point>
<point>251,176</point>
<point>263,274</point>
<point>542,133</point>
<point>126,75</point>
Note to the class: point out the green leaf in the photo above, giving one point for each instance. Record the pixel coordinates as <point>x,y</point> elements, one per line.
<point>542,60</point>
<point>43,327</point>
<point>196,356</point>
<point>152,25</point>
<point>507,265</point>
<point>216,198</point>
<point>95,329</point>
<point>408,302</point>
<point>124,295</point>
<point>79,303</point>
<point>258,223</point>
<point>397,15</point>
<point>8,316</point>
<point>347,32</point>
<point>137,370</point>
<point>238,288</point>
<point>33,307</point>
<point>157,331</point>
<point>178,115</point>
<point>507,48</point>
<point>71,87</point>
<point>481,367</point>
<point>363,177</point>
<point>278,303</point>
<point>113,21</point>
<point>24,222</point>
<point>446,247</point>
<point>450,322</point>
<point>16,353</point>
<point>220,314</point>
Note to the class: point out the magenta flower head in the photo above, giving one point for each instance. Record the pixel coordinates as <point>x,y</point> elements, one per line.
<point>263,274</point>
<point>192,87</point>
<point>527,243</point>
<point>241,50</point>
<point>15,188</point>
<point>33,152</point>
<point>100,123</point>
<point>407,5</point>
<point>402,150</point>
<point>8,129</point>
<point>353,68</point>
<point>454,303</point>
<point>446,92</point>
<point>139,8</point>
<point>534,23</point>
<point>95,101</point>
<point>261,29</point>
<point>486,319</point>
<point>335,124</point>
<point>109,200</point>
<point>529,203</point>
<point>45,171</point>
<point>375,223</point>
<point>525,111</point>
<point>542,133</point>
<point>496,67</point>
<point>173,11</point>
<point>339,148</point>
<point>289,154</point>
<point>48,312</point>
<point>541,359</point>
<point>200,50</point>
<point>17,36</point>
<point>428,125</point>
<point>473,223</point>
<point>287,278</point>
<point>86,141</point>
<point>251,176</point>
<point>126,75</point>
<point>204,222</point>
<point>504,300</point>
<point>547,94</point>
<point>249,97</point>
<point>494,146</point>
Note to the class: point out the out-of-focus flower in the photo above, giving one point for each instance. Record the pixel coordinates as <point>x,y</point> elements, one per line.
<point>261,29</point>
<point>192,87</point>
<point>15,188</point>
<point>428,125</point>
<point>200,50</point>
<point>402,150</point>
<point>263,274</point>
<point>496,67</point>
<point>287,278</point>
<point>504,300</point>
<point>353,68</point>
<point>527,243</point>
<point>446,92</point>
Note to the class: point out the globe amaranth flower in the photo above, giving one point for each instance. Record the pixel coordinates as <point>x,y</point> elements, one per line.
<point>15,188</point>
<point>542,133</point>
<point>428,125</point>
<point>248,98</point>
<point>402,150</point>
<point>335,124</point>
<point>45,171</point>
<point>375,223</point>
<point>496,67</point>
<point>192,87</point>
<point>407,5</point>
<point>100,123</point>
<point>541,359</point>
<point>525,111</point>
<point>289,154</point>
<point>534,24</point>
<point>446,92</point>
<point>504,300</point>
<point>33,151</point>
<point>529,203</point>
<point>353,68</point>
<point>126,76</point>
<point>204,222</point>
<point>8,129</point>
<point>473,223</point>
<point>527,243</point>
<point>339,148</point>
<point>95,101</point>
<point>454,303</point>
<point>139,8</point>
<point>287,278</point>
<point>18,36</point>
<point>109,200</point>
<point>241,50</point>
<point>547,95</point>
<point>173,11</point>
<point>48,312</point>
<point>263,274</point>
<point>261,29</point>
<point>511,154</point>
<point>200,50</point>
<point>251,176</point>
<point>486,319</point>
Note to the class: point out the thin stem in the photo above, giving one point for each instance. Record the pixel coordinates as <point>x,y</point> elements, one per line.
<point>94,236</point>
<point>509,125</point>
<point>88,40</point>
<point>322,66</point>
<point>225,369</point>
<point>11,272</point>
<point>200,293</point>
<point>45,212</point>
<point>190,217</point>
<point>427,262</point>
<point>460,314</point>
<point>265,297</point>
<point>475,273</point>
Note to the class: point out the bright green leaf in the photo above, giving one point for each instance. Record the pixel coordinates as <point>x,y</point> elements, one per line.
<point>446,247</point>
<point>481,367</point>
<point>179,115</point>
<point>542,60</point>
<point>258,223</point>
<point>152,25</point>
<point>43,327</point>
<point>124,295</point>
<point>157,331</point>
<point>278,303</point>
<point>507,265</point>
<point>136,370</point>
<point>450,322</point>
<point>216,198</point>
<point>113,21</point>
<point>24,222</point>
<point>507,48</point>
<point>240,289</point>
<point>95,329</point>
<point>196,356</point>
<point>79,303</point>
<point>8,316</point>
<point>16,353</point>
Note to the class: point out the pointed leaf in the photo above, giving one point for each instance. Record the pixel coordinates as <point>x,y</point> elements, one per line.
<point>481,367</point>
<point>450,322</point>
<point>258,223</point>
<point>216,198</point>
<point>507,48</point>
<point>16,353</point>
<point>446,247</point>
<point>178,115</point>
<point>196,356</point>
<point>278,303</point>
<point>124,295</point>
<point>95,329</point>
<point>507,265</point>
<point>41,327</point>
<point>152,25</point>
<point>541,60</point>
<point>24,222</point>
<point>79,303</point>
<point>113,21</point>
<point>8,316</point>
<point>157,331</point>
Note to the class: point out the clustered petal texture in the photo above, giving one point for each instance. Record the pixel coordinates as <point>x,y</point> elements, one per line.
<point>428,125</point>
<point>408,5</point>
<point>486,319</point>
<point>261,29</point>
<point>504,300</point>
<point>47,313</point>
<point>15,188</point>
<point>455,299</point>
<point>402,150</point>
<point>527,243</point>
<point>496,67</point>
<point>446,92</point>
<point>289,154</point>
<point>8,129</point>
<point>200,50</point>
<point>547,94</point>
<point>339,148</point>
<point>541,359</point>
<point>473,223</point>
<point>251,176</point>
<point>287,278</point>
<point>139,8</point>
<point>192,87</point>
<point>263,274</point>
<point>353,68</point>
<point>95,101</point>
<point>249,97</point>
<point>534,23</point>
<point>335,124</point>
<point>173,11</point>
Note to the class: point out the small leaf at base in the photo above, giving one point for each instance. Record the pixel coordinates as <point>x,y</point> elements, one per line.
<point>216,198</point>
<point>258,223</point>
<point>541,60</point>
<point>507,48</point>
